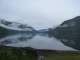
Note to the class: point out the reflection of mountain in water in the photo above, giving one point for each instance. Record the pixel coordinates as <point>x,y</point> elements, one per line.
<point>16,38</point>
<point>72,43</point>
<point>33,41</point>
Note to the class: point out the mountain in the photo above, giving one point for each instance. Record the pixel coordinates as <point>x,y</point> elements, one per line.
<point>7,27</point>
<point>68,32</point>
<point>42,31</point>
<point>69,29</point>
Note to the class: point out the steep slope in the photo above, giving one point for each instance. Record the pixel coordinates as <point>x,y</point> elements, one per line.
<point>69,29</point>
<point>68,32</point>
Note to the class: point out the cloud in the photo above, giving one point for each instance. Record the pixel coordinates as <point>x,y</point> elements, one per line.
<point>39,13</point>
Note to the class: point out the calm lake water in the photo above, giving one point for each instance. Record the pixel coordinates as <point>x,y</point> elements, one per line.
<point>37,41</point>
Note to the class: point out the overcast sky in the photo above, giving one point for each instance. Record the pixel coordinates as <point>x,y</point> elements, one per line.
<point>39,13</point>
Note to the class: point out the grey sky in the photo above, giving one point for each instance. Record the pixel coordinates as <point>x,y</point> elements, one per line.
<point>39,13</point>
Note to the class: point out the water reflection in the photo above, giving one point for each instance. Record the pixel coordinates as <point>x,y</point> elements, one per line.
<point>16,38</point>
<point>71,43</point>
<point>38,41</point>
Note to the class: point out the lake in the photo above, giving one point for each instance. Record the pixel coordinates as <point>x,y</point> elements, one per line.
<point>36,41</point>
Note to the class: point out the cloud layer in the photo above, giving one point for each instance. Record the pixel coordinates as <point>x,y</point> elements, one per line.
<point>39,13</point>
